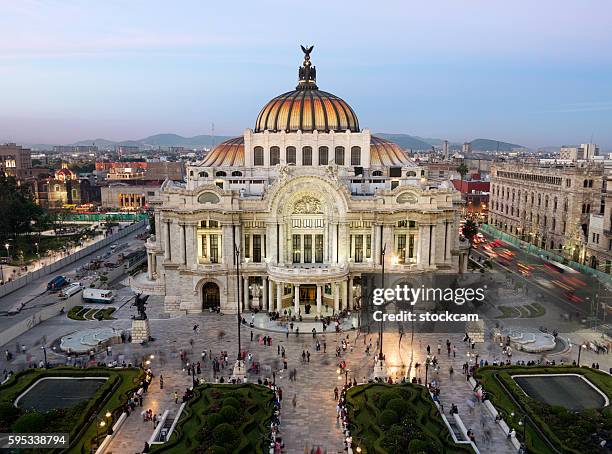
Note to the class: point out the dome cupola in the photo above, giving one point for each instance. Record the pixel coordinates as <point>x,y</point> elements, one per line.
<point>307,108</point>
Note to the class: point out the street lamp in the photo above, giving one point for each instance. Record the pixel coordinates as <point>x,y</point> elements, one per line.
<point>523,426</point>
<point>239,372</point>
<point>580,347</point>
<point>37,251</point>
<point>44,349</point>
<point>108,416</point>
<point>7,246</point>
<point>382,253</point>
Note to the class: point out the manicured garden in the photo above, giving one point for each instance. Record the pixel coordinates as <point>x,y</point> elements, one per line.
<point>223,419</point>
<point>79,420</point>
<point>569,431</point>
<point>398,419</point>
<point>88,313</point>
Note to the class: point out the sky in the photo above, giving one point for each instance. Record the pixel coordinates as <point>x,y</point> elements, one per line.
<point>531,73</point>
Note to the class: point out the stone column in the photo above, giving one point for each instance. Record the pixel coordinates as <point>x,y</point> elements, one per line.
<point>264,299</point>
<point>344,290</point>
<point>334,253</point>
<point>167,245</point>
<point>182,246</point>
<point>296,292</point>
<point>245,285</point>
<point>191,243</point>
<point>388,241</point>
<point>431,229</point>
<point>343,246</point>
<point>150,266</point>
<point>375,244</point>
<point>350,293</point>
<point>227,245</point>
<point>336,297</point>
<point>281,245</point>
<point>421,251</point>
<point>319,299</point>
<point>270,295</point>
<point>279,297</point>
<point>271,252</point>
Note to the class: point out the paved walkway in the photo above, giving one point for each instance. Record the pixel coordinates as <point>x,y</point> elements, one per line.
<point>313,421</point>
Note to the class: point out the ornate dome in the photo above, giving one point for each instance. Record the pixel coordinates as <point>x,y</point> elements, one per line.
<point>307,108</point>
<point>227,154</point>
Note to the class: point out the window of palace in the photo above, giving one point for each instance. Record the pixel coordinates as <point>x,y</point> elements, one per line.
<point>258,156</point>
<point>339,156</point>
<point>203,175</point>
<point>291,155</point>
<point>221,173</point>
<point>307,248</point>
<point>255,247</point>
<point>323,156</point>
<point>377,173</point>
<point>209,241</point>
<point>236,173</point>
<point>355,156</point>
<point>274,156</point>
<point>307,156</point>
<point>404,241</point>
<point>395,172</point>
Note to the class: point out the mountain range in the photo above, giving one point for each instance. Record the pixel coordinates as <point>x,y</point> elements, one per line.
<point>405,141</point>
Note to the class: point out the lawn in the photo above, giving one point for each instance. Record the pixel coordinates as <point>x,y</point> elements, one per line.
<point>398,419</point>
<point>568,431</point>
<point>80,313</point>
<point>223,419</point>
<point>78,420</point>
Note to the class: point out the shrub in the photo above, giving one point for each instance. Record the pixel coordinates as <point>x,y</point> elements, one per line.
<point>216,449</point>
<point>214,420</point>
<point>31,421</point>
<point>387,418</point>
<point>386,397</point>
<point>8,414</point>
<point>232,402</point>
<point>399,406</point>
<point>424,447</point>
<point>229,414</point>
<point>225,435</point>
<point>395,440</point>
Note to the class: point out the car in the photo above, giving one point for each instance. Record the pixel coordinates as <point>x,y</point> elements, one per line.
<point>72,289</point>
<point>57,283</point>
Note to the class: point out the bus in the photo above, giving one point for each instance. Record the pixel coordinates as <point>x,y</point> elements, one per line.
<point>96,295</point>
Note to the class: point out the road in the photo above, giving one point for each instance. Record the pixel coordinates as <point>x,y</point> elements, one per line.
<point>572,291</point>
<point>35,295</point>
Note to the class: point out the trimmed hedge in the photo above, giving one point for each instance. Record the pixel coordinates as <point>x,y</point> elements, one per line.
<point>569,431</point>
<point>398,419</point>
<point>223,418</point>
<point>78,420</point>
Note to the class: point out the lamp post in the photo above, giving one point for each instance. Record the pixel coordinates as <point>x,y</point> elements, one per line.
<point>523,426</point>
<point>580,347</point>
<point>380,368</point>
<point>108,417</point>
<point>239,371</point>
<point>44,349</point>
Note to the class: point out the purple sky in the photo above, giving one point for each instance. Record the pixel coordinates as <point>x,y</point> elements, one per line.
<point>533,73</point>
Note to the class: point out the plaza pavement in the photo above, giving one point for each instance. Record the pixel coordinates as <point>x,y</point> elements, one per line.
<point>313,420</point>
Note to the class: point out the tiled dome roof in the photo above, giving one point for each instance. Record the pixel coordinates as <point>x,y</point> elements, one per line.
<point>227,154</point>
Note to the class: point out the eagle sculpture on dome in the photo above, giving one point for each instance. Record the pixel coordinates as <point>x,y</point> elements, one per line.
<point>307,73</point>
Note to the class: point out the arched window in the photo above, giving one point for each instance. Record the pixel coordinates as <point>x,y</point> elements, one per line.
<point>274,156</point>
<point>203,174</point>
<point>258,156</point>
<point>221,173</point>
<point>307,156</point>
<point>236,173</point>
<point>585,184</point>
<point>323,156</point>
<point>291,155</point>
<point>355,156</point>
<point>339,156</point>
<point>377,173</point>
<point>411,173</point>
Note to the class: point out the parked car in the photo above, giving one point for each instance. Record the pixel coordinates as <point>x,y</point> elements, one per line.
<point>72,289</point>
<point>57,283</point>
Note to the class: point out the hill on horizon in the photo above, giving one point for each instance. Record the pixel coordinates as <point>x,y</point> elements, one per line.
<point>159,140</point>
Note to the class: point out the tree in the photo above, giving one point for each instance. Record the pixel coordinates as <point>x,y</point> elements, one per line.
<point>18,212</point>
<point>463,170</point>
<point>470,229</point>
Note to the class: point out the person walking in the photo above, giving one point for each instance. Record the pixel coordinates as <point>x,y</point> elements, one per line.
<point>336,393</point>
<point>175,397</point>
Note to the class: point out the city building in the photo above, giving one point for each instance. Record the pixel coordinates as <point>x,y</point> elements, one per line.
<point>63,188</point>
<point>446,150</point>
<point>304,203</point>
<point>466,148</point>
<point>127,197</point>
<point>79,149</point>
<point>15,161</point>
<point>475,194</point>
<point>546,204</point>
<point>599,246</point>
<point>586,151</point>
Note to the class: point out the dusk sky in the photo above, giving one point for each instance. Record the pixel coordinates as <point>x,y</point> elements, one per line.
<point>532,73</point>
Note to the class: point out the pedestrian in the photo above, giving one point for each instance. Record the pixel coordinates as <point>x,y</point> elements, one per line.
<point>175,397</point>
<point>336,393</point>
<point>307,356</point>
<point>294,400</point>
<point>251,335</point>
<point>161,382</point>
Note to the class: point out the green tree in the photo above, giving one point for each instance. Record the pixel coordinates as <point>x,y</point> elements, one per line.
<point>463,170</point>
<point>470,229</point>
<point>18,212</point>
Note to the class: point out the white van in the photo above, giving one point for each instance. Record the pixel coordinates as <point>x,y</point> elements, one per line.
<point>72,289</point>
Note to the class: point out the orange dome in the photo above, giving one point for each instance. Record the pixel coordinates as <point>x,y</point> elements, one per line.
<point>307,108</point>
